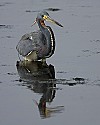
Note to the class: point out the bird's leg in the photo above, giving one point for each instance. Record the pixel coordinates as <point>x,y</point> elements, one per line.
<point>44,62</point>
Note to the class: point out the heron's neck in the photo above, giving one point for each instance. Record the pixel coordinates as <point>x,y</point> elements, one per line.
<point>45,30</point>
<point>48,33</point>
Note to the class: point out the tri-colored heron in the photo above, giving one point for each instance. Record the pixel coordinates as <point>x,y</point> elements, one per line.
<point>40,44</point>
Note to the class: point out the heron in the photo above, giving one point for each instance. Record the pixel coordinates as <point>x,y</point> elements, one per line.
<point>40,44</point>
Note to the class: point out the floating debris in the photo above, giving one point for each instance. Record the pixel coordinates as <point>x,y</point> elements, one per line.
<point>85,50</point>
<point>48,9</point>
<point>29,11</point>
<point>53,9</point>
<point>78,79</point>
<point>61,72</point>
<point>11,73</point>
<point>95,40</point>
<point>2,26</point>
<point>5,3</point>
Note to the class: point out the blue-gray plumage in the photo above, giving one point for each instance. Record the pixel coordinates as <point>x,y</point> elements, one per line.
<point>40,44</point>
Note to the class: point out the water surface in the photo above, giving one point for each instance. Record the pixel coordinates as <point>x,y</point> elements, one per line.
<point>67,90</point>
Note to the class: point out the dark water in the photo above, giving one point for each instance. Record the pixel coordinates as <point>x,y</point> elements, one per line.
<point>67,91</point>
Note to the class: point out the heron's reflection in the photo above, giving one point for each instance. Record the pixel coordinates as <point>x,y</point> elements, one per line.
<point>41,79</point>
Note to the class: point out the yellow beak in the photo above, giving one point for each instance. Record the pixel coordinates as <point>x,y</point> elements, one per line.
<point>47,18</point>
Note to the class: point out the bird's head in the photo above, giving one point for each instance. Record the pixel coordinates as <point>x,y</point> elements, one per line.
<point>44,16</point>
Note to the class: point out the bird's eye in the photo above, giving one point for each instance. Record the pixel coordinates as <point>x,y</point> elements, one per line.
<point>42,16</point>
<point>45,17</point>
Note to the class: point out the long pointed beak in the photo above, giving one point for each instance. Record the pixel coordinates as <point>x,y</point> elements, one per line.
<point>33,23</point>
<point>53,21</point>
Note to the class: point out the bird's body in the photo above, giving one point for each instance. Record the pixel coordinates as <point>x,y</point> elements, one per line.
<point>35,45</point>
<point>40,44</point>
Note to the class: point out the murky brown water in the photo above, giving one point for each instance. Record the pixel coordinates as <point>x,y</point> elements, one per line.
<point>67,91</point>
